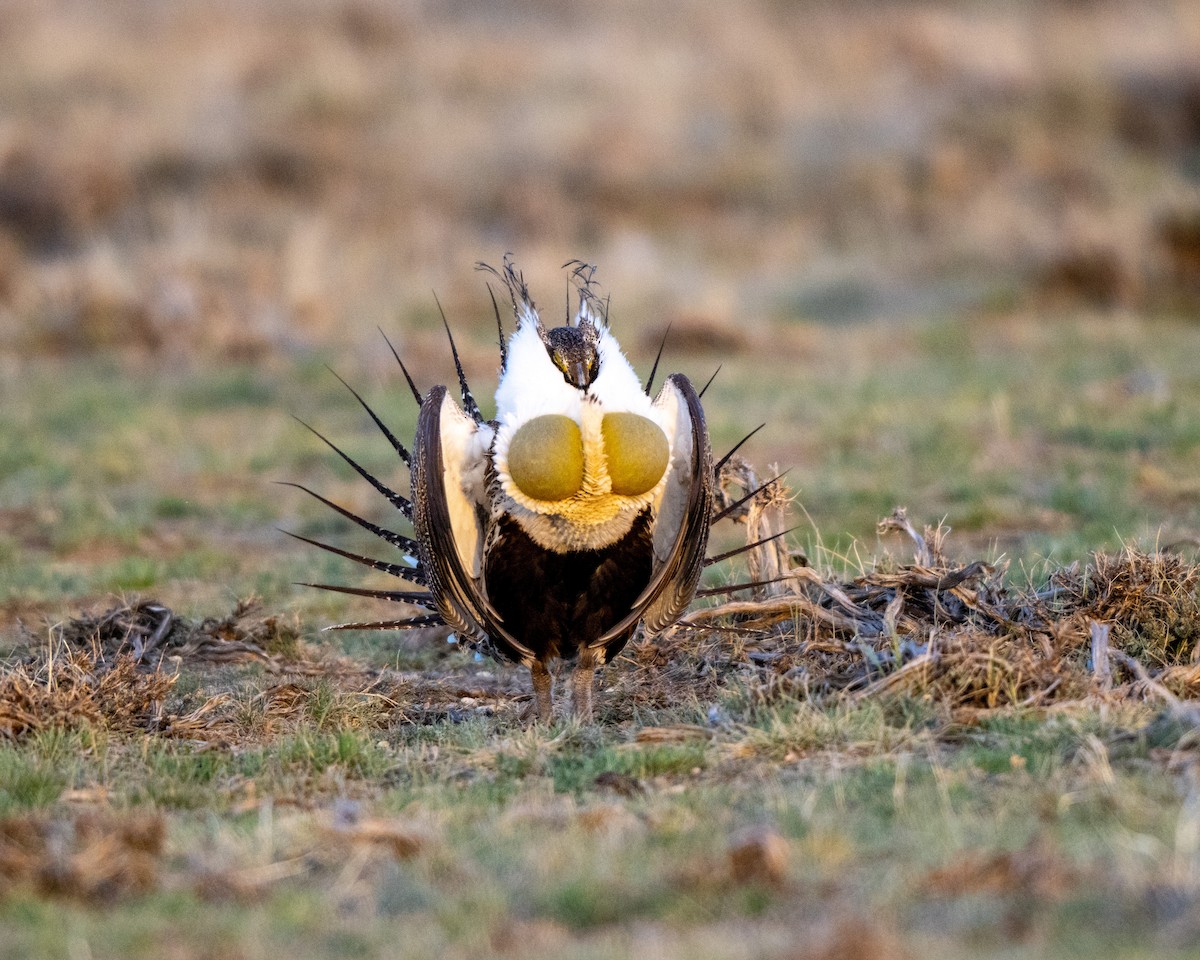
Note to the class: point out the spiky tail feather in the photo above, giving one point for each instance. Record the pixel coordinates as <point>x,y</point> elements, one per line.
<point>400,570</point>
<point>468,400</point>
<point>411,623</point>
<point>403,504</point>
<point>396,444</point>
<point>746,499</point>
<point>417,598</point>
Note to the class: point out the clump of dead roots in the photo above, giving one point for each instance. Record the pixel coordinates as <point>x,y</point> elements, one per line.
<point>115,670</point>
<point>149,631</point>
<point>959,632</point>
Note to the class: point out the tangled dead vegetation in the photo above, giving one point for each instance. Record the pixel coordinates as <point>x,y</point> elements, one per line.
<point>70,689</point>
<point>106,671</point>
<point>148,632</point>
<point>1122,625</point>
<point>959,634</point>
<point>116,671</point>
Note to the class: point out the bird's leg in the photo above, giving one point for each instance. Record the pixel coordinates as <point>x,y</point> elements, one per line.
<point>541,691</point>
<point>581,683</point>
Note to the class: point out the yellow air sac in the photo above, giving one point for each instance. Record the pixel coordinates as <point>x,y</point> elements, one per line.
<point>637,452</point>
<point>545,458</point>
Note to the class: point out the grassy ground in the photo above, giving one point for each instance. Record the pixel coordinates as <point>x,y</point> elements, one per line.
<point>949,252</point>
<point>1034,438</point>
<point>347,795</point>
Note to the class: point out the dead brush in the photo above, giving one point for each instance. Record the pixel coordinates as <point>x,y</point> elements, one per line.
<point>956,633</point>
<point>149,631</point>
<point>65,688</point>
<point>69,690</point>
<point>1152,600</point>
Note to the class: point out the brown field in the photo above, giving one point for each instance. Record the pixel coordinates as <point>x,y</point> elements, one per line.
<point>948,252</point>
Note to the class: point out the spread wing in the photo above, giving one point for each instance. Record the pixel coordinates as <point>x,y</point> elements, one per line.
<point>682,515</point>
<point>449,472</point>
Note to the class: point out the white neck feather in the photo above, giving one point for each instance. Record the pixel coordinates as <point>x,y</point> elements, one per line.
<point>532,386</point>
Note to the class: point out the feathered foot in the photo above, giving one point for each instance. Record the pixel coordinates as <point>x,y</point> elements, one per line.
<point>541,692</point>
<point>581,684</point>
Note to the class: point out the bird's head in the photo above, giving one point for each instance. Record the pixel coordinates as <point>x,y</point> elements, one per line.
<point>574,351</point>
<point>577,437</point>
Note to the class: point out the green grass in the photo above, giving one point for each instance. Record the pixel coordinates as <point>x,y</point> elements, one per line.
<point>587,864</point>
<point>525,838</point>
<point>1000,441</point>
<point>233,197</point>
<point>587,843</point>
<point>28,782</point>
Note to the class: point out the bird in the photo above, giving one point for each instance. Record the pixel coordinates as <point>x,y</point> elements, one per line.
<point>576,515</point>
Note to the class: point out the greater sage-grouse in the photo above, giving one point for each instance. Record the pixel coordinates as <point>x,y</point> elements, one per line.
<point>581,511</point>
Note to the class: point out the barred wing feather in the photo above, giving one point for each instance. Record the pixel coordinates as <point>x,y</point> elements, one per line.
<point>681,517</point>
<point>449,506</point>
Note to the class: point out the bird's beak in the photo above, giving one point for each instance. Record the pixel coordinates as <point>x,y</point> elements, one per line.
<point>579,375</point>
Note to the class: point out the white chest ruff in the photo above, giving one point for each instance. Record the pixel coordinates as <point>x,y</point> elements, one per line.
<point>562,534</point>
<point>595,516</point>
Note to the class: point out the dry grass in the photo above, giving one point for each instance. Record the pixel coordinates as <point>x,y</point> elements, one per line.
<point>115,671</point>
<point>541,837</point>
<point>96,856</point>
<point>69,690</point>
<point>959,633</point>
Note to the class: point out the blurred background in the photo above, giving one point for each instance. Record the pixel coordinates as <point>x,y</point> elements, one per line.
<point>942,248</point>
<point>242,178</point>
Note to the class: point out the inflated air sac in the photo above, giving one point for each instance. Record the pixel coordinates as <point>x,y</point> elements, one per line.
<point>637,452</point>
<point>545,458</point>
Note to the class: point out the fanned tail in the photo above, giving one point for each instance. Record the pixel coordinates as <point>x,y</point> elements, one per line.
<point>396,444</point>
<point>407,376</point>
<point>746,499</point>
<point>658,356</point>
<point>499,330</point>
<point>418,598</point>
<point>746,547</point>
<point>410,623</point>
<point>737,446</point>
<point>735,587</point>
<point>407,544</point>
<point>523,306</point>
